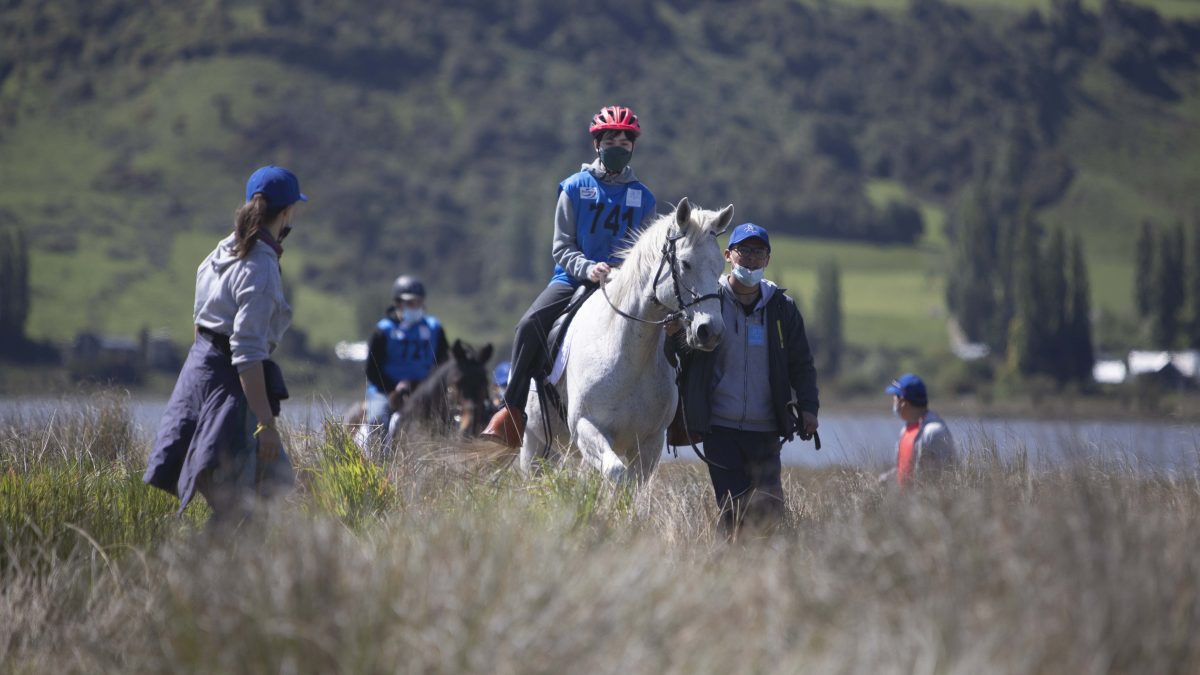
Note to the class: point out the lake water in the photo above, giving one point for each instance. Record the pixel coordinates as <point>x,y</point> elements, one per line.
<point>861,440</point>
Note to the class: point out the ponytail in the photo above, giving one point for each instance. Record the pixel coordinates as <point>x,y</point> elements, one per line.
<point>251,218</point>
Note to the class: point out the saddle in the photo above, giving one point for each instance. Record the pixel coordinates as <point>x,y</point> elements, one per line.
<point>558,330</point>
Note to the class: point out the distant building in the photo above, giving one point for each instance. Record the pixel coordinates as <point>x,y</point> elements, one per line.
<point>1176,370</point>
<point>1109,371</point>
<point>121,360</point>
<point>105,359</point>
<point>351,351</point>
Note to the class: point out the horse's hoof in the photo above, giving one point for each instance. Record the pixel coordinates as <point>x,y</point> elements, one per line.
<point>505,428</point>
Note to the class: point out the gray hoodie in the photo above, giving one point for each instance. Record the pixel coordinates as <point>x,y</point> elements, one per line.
<point>243,299</point>
<point>565,249</point>
<point>741,398</point>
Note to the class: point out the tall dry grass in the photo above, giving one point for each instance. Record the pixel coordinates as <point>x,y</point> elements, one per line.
<point>426,564</point>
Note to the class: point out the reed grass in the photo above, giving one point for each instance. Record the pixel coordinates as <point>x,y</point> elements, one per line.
<point>429,562</point>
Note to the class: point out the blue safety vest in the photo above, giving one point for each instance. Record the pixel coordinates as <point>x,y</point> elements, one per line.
<point>607,216</point>
<point>411,350</point>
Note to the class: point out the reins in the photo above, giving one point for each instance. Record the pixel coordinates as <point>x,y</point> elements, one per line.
<point>668,261</point>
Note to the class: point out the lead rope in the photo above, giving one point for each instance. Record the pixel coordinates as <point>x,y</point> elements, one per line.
<point>683,409</point>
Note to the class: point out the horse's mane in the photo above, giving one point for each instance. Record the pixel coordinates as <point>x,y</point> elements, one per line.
<point>429,398</point>
<point>643,256</point>
<point>432,390</point>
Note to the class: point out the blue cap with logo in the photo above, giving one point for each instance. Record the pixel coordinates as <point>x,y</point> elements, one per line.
<point>277,184</point>
<point>748,231</point>
<point>910,388</point>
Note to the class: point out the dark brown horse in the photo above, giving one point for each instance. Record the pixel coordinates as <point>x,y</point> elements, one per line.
<point>455,396</point>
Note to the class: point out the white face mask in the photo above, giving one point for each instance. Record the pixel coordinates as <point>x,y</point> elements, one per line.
<point>748,277</point>
<point>412,315</point>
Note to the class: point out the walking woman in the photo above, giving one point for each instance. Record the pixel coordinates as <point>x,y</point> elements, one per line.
<point>218,434</point>
<point>599,208</point>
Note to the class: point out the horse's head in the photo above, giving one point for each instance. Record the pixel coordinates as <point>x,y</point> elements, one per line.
<point>468,386</point>
<point>698,265</point>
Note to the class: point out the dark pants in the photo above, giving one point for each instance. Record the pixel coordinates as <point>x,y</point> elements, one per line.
<point>747,484</point>
<point>529,345</point>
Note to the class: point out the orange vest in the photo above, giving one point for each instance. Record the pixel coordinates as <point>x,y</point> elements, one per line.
<point>906,457</point>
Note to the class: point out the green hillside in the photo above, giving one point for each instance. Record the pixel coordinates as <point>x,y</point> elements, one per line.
<point>430,140</point>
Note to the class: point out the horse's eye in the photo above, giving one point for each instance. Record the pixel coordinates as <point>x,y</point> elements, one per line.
<point>687,265</point>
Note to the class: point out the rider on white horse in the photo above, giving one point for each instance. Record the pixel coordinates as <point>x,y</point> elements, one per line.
<point>598,210</point>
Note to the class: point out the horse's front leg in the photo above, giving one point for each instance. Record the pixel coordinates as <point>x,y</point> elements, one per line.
<point>538,446</point>
<point>597,450</point>
<point>649,452</point>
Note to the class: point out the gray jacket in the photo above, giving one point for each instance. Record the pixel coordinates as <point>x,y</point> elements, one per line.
<point>934,448</point>
<point>741,396</point>
<point>243,299</point>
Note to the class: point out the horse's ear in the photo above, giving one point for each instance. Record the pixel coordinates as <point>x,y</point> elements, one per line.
<point>460,353</point>
<point>724,218</point>
<point>485,353</point>
<point>683,214</point>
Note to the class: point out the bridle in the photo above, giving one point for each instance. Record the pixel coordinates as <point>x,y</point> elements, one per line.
<point>669,262</point>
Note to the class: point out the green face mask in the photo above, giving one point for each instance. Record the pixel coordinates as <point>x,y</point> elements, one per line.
<point>615,158</point>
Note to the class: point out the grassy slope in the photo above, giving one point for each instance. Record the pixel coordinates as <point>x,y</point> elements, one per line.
<point>117,281</point>
<point>1173,8</point>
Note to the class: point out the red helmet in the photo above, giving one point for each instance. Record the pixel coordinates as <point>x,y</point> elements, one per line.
<point>615,118</point>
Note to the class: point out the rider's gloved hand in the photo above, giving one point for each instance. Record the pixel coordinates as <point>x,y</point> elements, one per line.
<point>599,272</point>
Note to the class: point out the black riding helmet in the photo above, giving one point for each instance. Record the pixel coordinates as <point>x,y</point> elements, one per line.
<point>407,287</point>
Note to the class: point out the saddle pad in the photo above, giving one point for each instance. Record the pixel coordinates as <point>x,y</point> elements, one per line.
<point>560,361</point>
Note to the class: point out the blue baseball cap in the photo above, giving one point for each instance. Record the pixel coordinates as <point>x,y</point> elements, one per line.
<point>748,231</point>
<point>277,184</point>
<point>500,375</point>
<point>910,388</point>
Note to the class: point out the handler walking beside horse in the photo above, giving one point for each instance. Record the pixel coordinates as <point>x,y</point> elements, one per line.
<point>218,433</point>
<point>737,396</point>
<point>598,210</point>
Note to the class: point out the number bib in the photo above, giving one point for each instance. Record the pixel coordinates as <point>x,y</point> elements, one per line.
<point>606,216</point>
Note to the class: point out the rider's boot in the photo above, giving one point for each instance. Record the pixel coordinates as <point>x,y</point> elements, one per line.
<point>506,428</point>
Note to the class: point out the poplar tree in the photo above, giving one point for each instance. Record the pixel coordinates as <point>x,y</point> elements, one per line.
<point>1168,288</point>
<point>1193,287</point>
<point>1053,345</point>
<point>970,288</point>
<point>1024,330</point>
<point>1143,271</point>
<point>14,286</point>
<point>828,311</point>
<point>1081,355</point>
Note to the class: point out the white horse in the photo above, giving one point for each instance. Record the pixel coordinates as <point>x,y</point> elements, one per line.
<point>617,388</point>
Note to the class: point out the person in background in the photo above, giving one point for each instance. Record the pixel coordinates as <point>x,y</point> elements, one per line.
<point>500,383</point>
<point>925,447</point>
<point>737,396</point>
<point>599,208</point>
<point>218,434</point>
<point>406,345</point>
